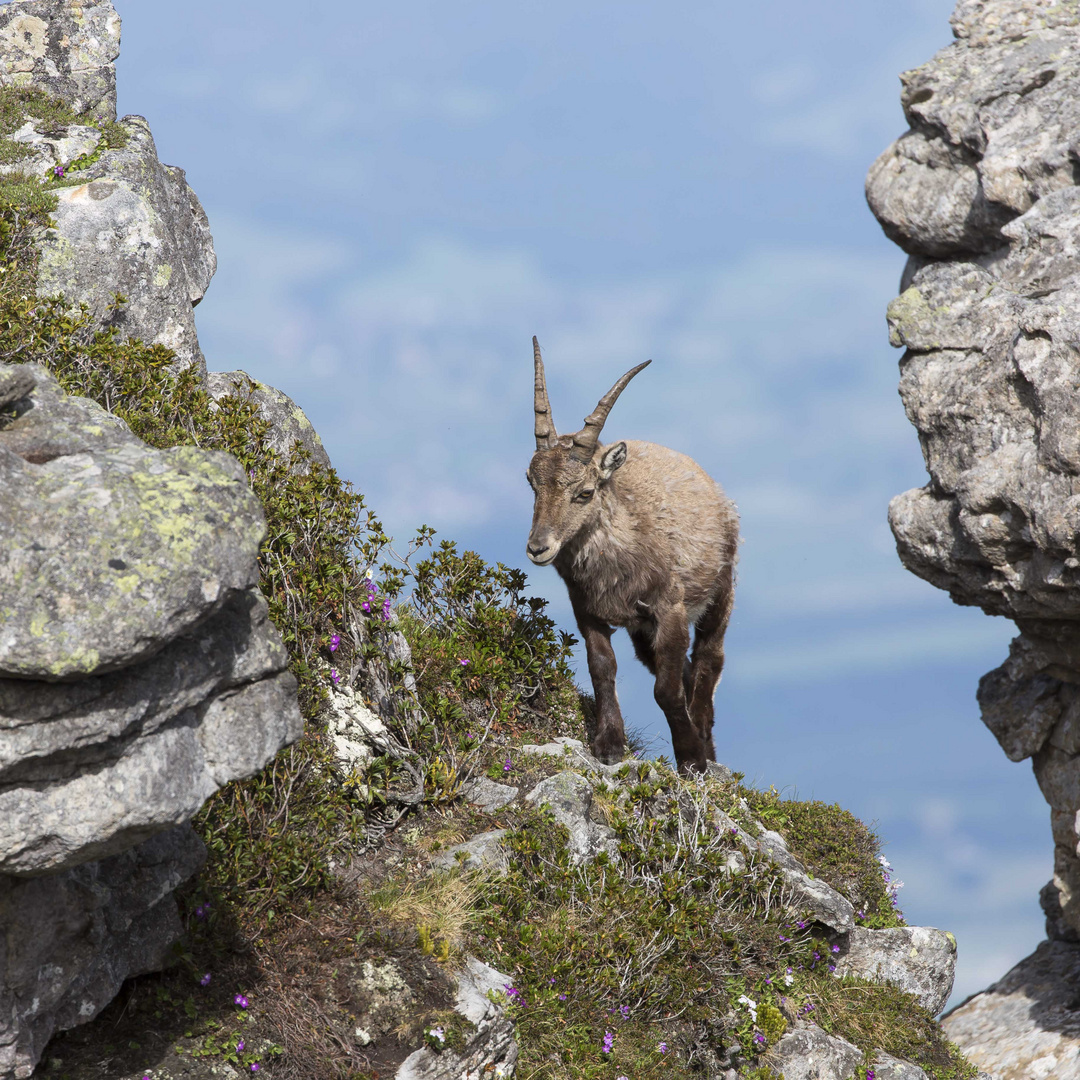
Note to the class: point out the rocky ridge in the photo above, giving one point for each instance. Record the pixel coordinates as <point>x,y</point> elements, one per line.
<point>982,192</point>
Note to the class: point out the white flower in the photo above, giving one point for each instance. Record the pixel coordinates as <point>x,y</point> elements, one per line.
<point>751,1006</point>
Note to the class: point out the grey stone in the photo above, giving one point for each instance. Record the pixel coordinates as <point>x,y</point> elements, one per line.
<point>356,732</point>
<point>491,1051</point>
<point>1026,1026</point>
<point>89,768</point>
<point>69,940</point>
<point>568,795</point>
<point>917,959</point>
<point>46,150</point>
<point>136,228</point>
<point>890,1068</point>
<point>65,47</point>
<point>108,547</point>
<point>288,422</point>
<point>809,1054</point>
<point>483,851</point>
<point>983,192</point>
<point>488,795</point>
<point>814,895</point>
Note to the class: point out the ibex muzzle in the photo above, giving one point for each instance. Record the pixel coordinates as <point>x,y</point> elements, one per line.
<point>644,539</point>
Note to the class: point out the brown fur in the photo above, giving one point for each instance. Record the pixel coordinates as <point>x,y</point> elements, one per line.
<point>652,550</point>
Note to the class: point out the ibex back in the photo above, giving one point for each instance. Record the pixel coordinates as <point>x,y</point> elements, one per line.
<point>644,539</point>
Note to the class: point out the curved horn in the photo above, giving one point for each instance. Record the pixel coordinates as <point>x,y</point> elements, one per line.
<point>586,439</point>
<point>545,426</point>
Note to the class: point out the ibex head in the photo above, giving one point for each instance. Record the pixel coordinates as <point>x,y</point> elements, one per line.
<point>567,473</point>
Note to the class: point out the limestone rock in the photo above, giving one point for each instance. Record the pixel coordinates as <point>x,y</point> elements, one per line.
<point>484,850</point>
<point>355,731</point>
<point>1027,1025</point>
<point>492,1050</point>
<point>488,795</point>
<point>917,959</point>
<point>136,228</point>
<point>983,192</point>
<point>813,894</point>
<point>809,1054</point>
<point>569,797</point>
<point>89,768</point>
<point>288,422</point>
<point>887,1067</point>
<point>109,549</point>
<point>66,47</point>
<point>70,939</point>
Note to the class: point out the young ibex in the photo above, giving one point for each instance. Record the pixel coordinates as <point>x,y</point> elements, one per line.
<point>645,539</point>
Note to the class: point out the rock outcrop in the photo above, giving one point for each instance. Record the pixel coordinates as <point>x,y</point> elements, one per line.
<point>983,194</point>
<point>138,673</point>
<point>138,668</point>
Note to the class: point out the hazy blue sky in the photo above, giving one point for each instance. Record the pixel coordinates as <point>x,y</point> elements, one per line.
<point>403,194</point>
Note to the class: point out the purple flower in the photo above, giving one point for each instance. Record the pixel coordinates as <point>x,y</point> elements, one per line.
<point>832,967</point>
<point>507,766</point>
<point>335,678</point>
<point>59,170</point>
<point>202,911</point>
<point>464,663</point>
<point>782,938</point>
<point>836,948</point>
<point>759,1038</point>
<point>240,1046</point>
<point>870,1074</point>
<point>801,925</point>
<point>365,607</point>
<point>609,1041</point>
<point>625,1010</point>
<point>241,1001</point>
<point>205,980</point>
<point>386,610</point>
<point>255,1066</point>
<point>662,1047</point>
<point>562,997</point>
<point>335,641</point>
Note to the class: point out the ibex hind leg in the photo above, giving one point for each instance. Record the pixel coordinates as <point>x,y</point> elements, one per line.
<point>707,662</point>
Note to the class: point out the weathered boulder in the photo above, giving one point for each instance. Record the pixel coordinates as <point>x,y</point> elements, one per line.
<point>918,959</point>
<point>490,1051</point>
<point>568,795</point>
<point>68,940</point>
<point>109,548</point>
<point>288,422</point>
<point>90,767</point>
<point>66,47</point>
<point>133,227</point>
<point>488,795</point>
<point>809,1054</point>
<point>485,850</point>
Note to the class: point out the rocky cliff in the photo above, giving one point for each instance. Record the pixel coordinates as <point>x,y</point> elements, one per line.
<point>982,193</point>
<point>138,669</point>
<point>375,902</point>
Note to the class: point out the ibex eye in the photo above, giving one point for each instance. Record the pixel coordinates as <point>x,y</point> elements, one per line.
<point>583,496</point>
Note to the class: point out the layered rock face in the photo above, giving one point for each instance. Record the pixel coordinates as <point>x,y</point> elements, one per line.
<point>138,668</point>
<point>983,194</point>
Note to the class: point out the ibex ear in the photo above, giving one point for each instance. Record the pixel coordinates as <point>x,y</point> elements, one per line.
<point>613,457</point>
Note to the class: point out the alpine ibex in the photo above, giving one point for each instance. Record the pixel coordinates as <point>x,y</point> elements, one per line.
<point>645,539</point>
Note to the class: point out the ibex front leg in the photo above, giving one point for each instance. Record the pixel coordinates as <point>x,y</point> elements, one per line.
<point>670,645</point>
<point>609,743</point>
